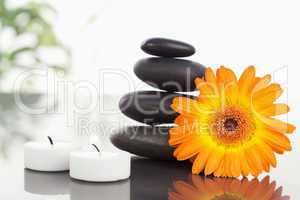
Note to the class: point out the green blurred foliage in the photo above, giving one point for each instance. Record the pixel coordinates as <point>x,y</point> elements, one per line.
<point>28,19</point>
<point>25,19</point>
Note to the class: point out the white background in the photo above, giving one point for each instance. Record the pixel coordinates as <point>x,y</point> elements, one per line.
<point>108,33</point>
<point>235,33</point>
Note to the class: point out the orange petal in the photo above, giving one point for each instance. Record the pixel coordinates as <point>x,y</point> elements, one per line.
<point>264,162</point>
<point>225,77</point>
<point>278,125</point>
<point>267,153</point>
<point>209,75</point>
<point>209,93</point>
<point>213,161</point>
<point>246,80</point>
<point>253,160</point>
<point>227,164</point>
<point>275,109</point>
<point>261,83</point>
<point>201,159</point>
<point>244,164</point>
<point>232,93</point>
<point>272,88</point>
<point>188,149</point>
<point>235,164</point>
<point>189,107</point>
<point>220,169</point>
<point>189,130</point>
<point>266,96</point>
<point>277,149</point>
<point>276,139</point>
<point>182,120</point>
<point>176,138</point>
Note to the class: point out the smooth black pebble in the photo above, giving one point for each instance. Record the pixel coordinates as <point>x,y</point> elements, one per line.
<point>167,48</point>
<point>145,141</point>
<point>149,107</point>
<point>169,74</point>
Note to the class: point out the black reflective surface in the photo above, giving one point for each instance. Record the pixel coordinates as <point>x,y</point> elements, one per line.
<point>155,180</point>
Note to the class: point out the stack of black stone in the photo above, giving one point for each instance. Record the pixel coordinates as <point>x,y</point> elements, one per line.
<point>165,72</point>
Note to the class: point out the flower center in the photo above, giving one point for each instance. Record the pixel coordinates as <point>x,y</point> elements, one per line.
<point>232,125</point>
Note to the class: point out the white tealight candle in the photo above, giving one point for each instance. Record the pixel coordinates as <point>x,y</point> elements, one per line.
<point>99,166</point>
<point>51,157</point>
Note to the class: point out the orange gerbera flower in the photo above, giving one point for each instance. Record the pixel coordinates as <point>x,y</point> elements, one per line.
<point>226,189</point>
<point>229,129</point>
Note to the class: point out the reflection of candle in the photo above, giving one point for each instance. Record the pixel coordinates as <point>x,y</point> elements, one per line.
<point>46,183</point>
<point>95,191</point>
<point>52,156</point>
<point>99,166</point>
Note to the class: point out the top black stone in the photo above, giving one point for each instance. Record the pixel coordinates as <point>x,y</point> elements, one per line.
<point>167,48</point>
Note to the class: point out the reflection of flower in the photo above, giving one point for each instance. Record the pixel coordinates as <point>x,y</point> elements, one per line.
<point>203,188</point>
<point>229,130</point>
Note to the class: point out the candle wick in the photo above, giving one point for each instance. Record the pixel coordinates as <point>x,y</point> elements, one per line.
<point>50,140</point>
<point>96,147</point>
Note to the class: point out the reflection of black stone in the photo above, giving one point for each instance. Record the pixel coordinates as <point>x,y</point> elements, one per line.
<point>147,141</point>
<point>48,183</point>
<point>150,107</point>
<point>150,180</point>
<point>167,48</point>
<point>169,74</point>
<point>94,191</point>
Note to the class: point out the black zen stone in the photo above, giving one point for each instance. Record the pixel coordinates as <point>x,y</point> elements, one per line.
<point>145,141</point>
<point>167,48</point>
<point>169,74</point>
<point>149,107</point>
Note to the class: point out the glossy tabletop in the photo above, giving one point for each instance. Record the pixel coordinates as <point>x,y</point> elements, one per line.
<point>150,179</point>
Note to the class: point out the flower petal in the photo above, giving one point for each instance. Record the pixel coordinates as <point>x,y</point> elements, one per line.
<point>267,153</point>
<point>225,77</point>
<point>254,161</point>
<point>276,139</point>
<point>189,107</point>
<point>244,164</point>
<point>201,159</point>
<point>261,83</point>
<point>210,75</point>
<point>188,149</point>
<point>246,80</point>
<point>278,125</point>
<point>213,161</point>
<point>266,96</point>
<point>275,109</point>
<point>235,164</point>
